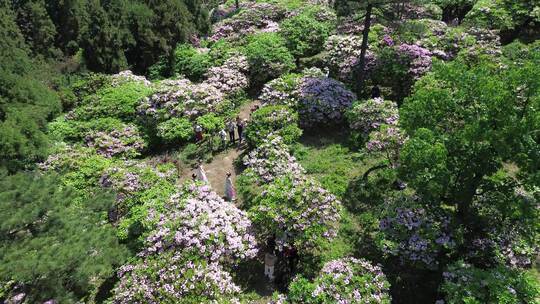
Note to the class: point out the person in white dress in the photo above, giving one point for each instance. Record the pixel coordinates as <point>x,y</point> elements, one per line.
<point>201,174</point>
<point>230,192</point>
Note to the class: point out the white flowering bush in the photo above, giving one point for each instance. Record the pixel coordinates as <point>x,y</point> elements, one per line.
<point>125,142</point>
<point>322,101</point>
<point>201,222</point>
<point>280,91</point>
<point>297,210</point>
<point>128,76</point>
<point>173,277</point>
<point>345,280</point>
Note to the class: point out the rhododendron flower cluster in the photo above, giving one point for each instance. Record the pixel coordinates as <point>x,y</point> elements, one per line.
<point>367,116</point>
<point>171,276</point>
<point>128,76</point>
<point>297,210</point>
<point>389,140</point>
<point>415,235</point>
<point>419,59</point>
<point>283,90</point>
<point>350,280</point>
<point>252,18</point>
<point>270,160</point>
<point>125,142</point>
<point>292,205</point>
<point>201,222</point>
<point>231,77</point>
<point>181,98</point>
<point>343,53</point>
<point>322,100</point>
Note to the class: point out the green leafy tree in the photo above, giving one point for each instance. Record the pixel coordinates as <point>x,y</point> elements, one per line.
<point>52,248</point>
<point>26,103</point>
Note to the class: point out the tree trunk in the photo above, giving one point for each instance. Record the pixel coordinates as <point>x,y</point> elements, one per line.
<point>237,2</point>
<point>360,75</point>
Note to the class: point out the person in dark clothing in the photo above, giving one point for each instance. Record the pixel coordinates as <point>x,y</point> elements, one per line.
<point>375,92</point>
<point>271,244</point>
<point>240,128</point>
<point>230,127</point>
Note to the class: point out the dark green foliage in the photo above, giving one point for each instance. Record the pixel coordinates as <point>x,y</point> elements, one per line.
<point>54,248</point>
<point>103,40</point>
<point>37,28</point>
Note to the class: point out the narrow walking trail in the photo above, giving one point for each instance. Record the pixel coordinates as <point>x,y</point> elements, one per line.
<point>222,163</point>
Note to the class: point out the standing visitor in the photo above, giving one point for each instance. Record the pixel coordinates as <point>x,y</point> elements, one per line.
<point>240,127</point>
<point>230,192</point>
<point>269,265</point>
<point>198,133</point>
<point>223,137</point>
<point>230,127</point>
<point>375,92</point>
<point>201,174</point>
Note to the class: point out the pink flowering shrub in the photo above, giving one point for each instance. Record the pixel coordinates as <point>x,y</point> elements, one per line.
<point>283,90</point>
<point>322,101</point>
<point>125,143</point>
<point>140,187</point>
<point>387,140</point>
<point>414,235</point>
<point>252,18</point>
<point>297,210</point>
<point>270,160</point>
<point>201,222</point>
<point>345,280</point>
<point>230,78</point>
<point>342,53</point>
<point>367,116</point>
<point>171,277</point>
<point>181,98</point>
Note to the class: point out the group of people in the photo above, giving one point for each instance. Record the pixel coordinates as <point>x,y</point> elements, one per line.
<point>230,192</point>
<point>234,127</point>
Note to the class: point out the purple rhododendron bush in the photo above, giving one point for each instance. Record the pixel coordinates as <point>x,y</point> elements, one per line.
<point>292,152</point>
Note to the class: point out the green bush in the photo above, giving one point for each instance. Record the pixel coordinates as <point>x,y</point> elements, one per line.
<point>279,120</point>
<point>175,130</point>
<point>211,123</point>
<point>63,129</point>
<point>190,62</point>
<point>305,35</point>
<point>268,57</point>
<point>120,102</point>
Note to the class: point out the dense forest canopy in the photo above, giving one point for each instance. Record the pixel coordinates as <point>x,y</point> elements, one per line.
<point>284,151</point>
